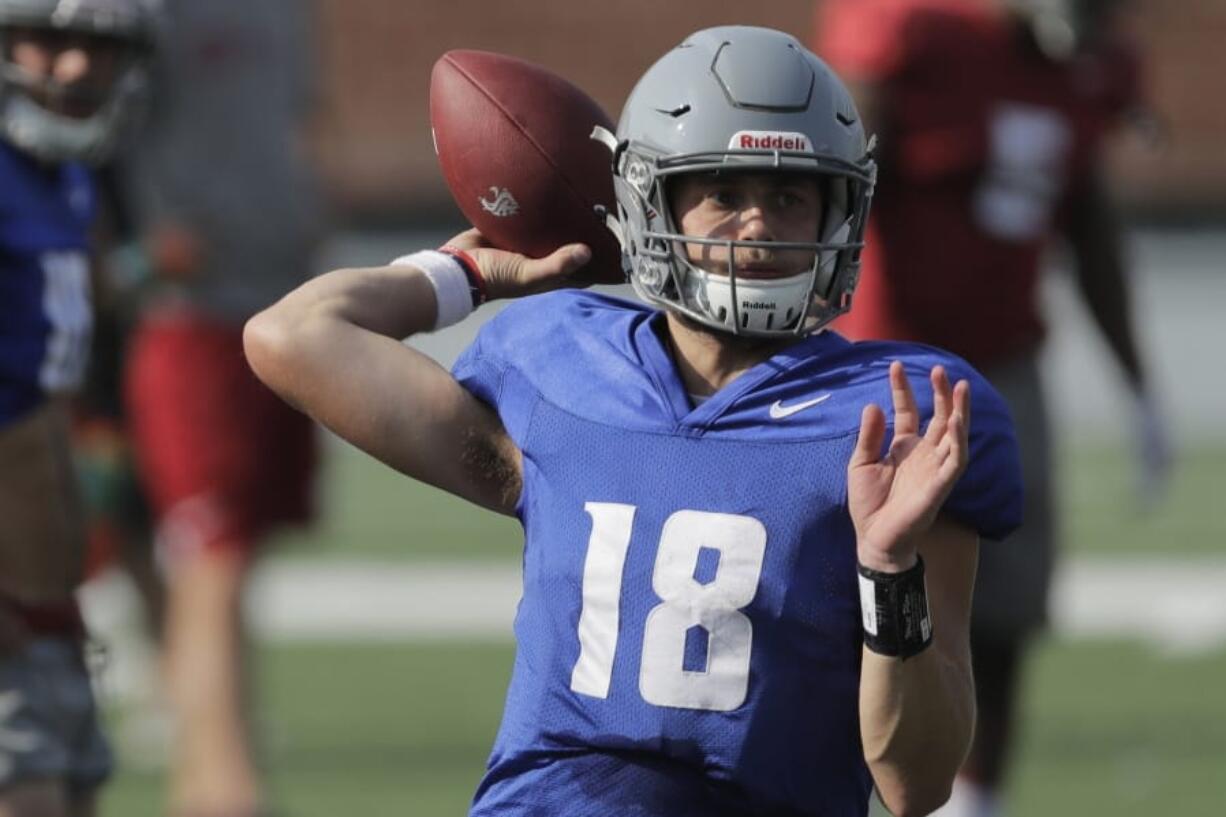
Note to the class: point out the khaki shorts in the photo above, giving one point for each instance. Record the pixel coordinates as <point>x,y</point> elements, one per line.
<point>48,720</point>
<point>1011,590</point>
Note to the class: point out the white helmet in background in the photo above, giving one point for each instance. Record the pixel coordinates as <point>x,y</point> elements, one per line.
<point>732,99</point>
<point>57,137</point>
<point>1062,28</point>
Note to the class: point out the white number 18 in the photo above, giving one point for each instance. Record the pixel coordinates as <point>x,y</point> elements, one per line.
<point>715,606</point>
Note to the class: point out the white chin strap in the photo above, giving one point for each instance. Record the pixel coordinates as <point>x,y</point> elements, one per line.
<point>762,305</point>
<point>766,304</point>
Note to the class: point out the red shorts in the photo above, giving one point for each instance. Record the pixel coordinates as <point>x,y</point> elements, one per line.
<point>223,460</point>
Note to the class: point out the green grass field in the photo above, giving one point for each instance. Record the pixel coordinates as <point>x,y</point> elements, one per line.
<point>1114,728</point>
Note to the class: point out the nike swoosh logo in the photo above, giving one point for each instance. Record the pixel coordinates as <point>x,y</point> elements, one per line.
<point>779,411</point>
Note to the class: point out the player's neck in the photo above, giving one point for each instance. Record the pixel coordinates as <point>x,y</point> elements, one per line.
<point>708,360</point>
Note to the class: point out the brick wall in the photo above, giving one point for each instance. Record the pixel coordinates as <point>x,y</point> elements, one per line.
<point>376,55</point>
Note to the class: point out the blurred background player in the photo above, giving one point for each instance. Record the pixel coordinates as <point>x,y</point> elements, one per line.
<point>991,116</point>
<point>229,220</point>
<point>117,514</point>
<point>119,533</point>
<point>69,74</point>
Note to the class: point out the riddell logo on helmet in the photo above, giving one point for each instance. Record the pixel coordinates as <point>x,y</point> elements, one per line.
<point>770,140</point>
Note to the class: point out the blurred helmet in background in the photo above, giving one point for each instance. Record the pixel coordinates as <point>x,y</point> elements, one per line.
<point>737,99</point>
<point>107,43</point>
<point>1062,28</point>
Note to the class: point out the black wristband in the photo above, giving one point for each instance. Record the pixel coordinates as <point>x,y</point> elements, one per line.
<point>895,609</point>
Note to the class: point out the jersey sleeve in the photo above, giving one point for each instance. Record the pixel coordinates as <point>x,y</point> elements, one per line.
<point>479,373</point>
<point>487,370</point>
<point>988,497</point>
<point>865,40</point>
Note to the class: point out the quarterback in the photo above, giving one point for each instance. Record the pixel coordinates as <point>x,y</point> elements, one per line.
<point>738,598</point>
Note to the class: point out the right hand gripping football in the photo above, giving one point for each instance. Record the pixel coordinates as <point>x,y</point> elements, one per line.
<point>511,275</point>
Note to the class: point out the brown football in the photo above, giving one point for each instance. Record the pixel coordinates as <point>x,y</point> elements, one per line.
<point>514,142</point>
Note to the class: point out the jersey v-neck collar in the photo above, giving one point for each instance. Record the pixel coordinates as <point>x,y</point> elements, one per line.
<point>650,338</point>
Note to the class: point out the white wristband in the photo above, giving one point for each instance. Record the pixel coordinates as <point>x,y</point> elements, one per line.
<point>451,287</point>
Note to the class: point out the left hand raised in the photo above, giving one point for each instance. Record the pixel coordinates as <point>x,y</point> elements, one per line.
<point>897,497</point>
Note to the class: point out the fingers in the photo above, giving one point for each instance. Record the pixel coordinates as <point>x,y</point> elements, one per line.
<point>872,434</point>
<point>953,450</point>
<point>572,257</point>
<point>557,266</point>
<point>948,430</point>
<point>906,416</point>
<point>942,404</point>
<point>470,239</point>
<point>510,275</point>
<point>962,406</point>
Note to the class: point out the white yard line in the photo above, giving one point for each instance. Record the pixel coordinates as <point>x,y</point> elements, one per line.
<point>1177,603</point>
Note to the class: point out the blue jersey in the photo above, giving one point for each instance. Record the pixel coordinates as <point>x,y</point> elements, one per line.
<point>689,637</point>
<point>45,318</point>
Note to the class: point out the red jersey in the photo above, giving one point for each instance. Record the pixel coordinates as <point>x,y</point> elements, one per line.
<point>984,141</point>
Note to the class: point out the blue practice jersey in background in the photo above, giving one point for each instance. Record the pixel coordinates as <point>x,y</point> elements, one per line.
<point>45,318</point>
<point>689,637</point>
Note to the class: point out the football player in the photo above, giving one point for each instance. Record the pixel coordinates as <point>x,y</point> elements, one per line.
<point>991,115</point>
<point>230,219</point>
<point>69,73</point>
<point>737,598</point>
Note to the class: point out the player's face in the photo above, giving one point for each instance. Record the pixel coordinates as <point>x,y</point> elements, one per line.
<point>68,73</point>
<point>766,207</point>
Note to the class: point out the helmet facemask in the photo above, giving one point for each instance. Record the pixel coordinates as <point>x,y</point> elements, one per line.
<point>716,293</point>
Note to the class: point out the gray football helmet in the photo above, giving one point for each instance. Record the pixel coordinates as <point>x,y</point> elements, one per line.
<point>55,137</point>
<point>734,99</point>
